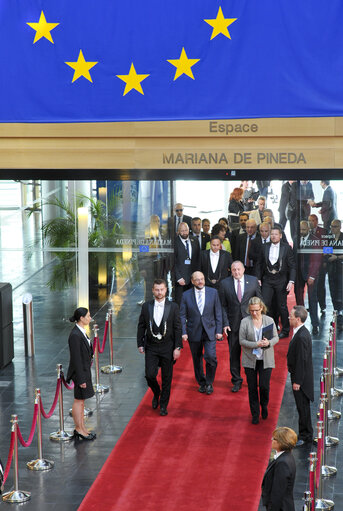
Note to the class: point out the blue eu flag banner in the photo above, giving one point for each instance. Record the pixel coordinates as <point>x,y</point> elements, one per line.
<point>141,60</point>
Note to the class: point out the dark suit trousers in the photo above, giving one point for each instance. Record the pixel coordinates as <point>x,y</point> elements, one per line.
<point>321,290</point>
<point>304,410</point>
<point>179,290</point>
<point>274,292</point>
<point>263,376</point>
<point>209,348</point>
<point>154,359</point>
<point>235,356</point>
<point>312,297</point>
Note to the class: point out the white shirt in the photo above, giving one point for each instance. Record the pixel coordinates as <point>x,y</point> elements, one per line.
<point>242,284</point>
<point>296,329</point>
<point>277,454</point>
<point>214,258</point>
<point>84,333</point>
<point>189,246</point>
<point>158,311</point>
<point>266,240</point>
<point>202,293</point>
<point>274,252</point>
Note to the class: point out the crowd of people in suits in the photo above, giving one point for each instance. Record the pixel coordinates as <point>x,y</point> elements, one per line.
<point>234,282</point>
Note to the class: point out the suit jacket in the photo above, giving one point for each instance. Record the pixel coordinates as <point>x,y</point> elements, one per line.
<point>171,316</point>
<point>309,262</point>
<point>205,238</point>
<point>233,309</point>
<point>224,264</point>
<point>193,322</point>
<point>185,218</point>
<point>183,270</point>
<point>278,483</point>
<point>299,361</point>
<point>247,341</point>
<point>240,246</point>
<point>328,205</point>
<point>285,197</point>
<point>286,262</point>
<point>81,354</point>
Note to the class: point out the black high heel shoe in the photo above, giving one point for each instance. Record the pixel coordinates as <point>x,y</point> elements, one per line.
<point>79,436</point>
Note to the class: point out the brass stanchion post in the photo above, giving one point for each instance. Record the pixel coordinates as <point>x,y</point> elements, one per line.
<point>60,435</point>
<point>111,369</point>
<point>40,463</point>
<point>16,495</point>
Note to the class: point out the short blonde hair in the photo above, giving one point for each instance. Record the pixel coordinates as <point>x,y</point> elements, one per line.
<point>285,437</point>
<point>255,300</point>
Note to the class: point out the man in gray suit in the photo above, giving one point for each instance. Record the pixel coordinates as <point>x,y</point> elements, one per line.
<point>328,204</point>
<point>235,292</point>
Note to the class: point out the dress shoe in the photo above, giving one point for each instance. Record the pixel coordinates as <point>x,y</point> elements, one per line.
<point>300,443</point>
<point>264,413</point>
<point>283,335</point>
<point>202,389</point>
<point>155,401</point>
<point>255,420</point>
<point>79,436</point>
<point>236,387</point>
<point>315,330</point>
<point>163,411</point>
<point>209,389</point>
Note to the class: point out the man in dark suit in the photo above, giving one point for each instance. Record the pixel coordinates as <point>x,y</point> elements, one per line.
<point>235,293</point>
<point>327,206</point>
<point>284,202</point>
<point>179,217</point>
<point>243,246</point>
<point>334,264</point>
<point>202,237</point>
<point>299,362</point>
<point>256,245</point>
<point>159,336</point>
<point>321,234</point>
<point>186,260</point>
<point>277,271</point>
<point>202,326</point>
<point>215,263</point>
<point>243,218</point>
<point>307,272</point>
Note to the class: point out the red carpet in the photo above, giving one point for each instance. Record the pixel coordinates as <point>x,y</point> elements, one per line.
<point>205,455</point>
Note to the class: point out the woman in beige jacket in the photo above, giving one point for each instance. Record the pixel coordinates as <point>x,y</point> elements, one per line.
<point>257,336</point>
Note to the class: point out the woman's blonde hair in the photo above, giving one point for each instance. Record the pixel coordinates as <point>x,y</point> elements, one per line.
<point>285,437</point>
<point>255,300</point>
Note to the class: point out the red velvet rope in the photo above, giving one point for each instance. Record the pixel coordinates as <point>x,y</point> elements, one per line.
<point>96,340</point>
<point>9,458</point>
<point>319,459</point>
<point>312,489</point>
<point>69,387</point>
<point>52,409</point>
<point>33,428</point>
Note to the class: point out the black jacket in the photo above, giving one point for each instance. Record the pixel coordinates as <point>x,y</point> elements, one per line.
<point>278,483</point>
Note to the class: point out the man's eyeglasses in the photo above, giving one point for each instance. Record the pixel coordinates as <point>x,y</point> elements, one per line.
<point>177,210</point>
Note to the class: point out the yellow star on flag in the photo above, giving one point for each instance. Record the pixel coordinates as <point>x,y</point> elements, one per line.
<point>220,24</point>
<point>43,29</point>
<point>81,67</point>
<point>132,80</point>
<point>183,65</point>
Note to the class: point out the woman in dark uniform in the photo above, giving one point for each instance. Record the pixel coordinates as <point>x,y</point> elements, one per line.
<point>81,354</point>
<point>278,480</point>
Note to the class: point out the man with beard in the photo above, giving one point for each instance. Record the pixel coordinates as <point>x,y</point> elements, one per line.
<point>159,337</point>
<point>202,326</point>
<point>186,260</point>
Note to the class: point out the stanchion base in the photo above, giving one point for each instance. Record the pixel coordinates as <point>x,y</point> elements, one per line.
<point>61,436</point>
<point>87,412</point>
<point>331,441</point>
<point>101,389</point>
<point>16,496</point>
<point>111,369</point>
<point>40,464</point>
<point>324,504</point>
<point>328,471</point>
<point>335,392</point>
<point>333,415</point>
<point>338,371</point>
